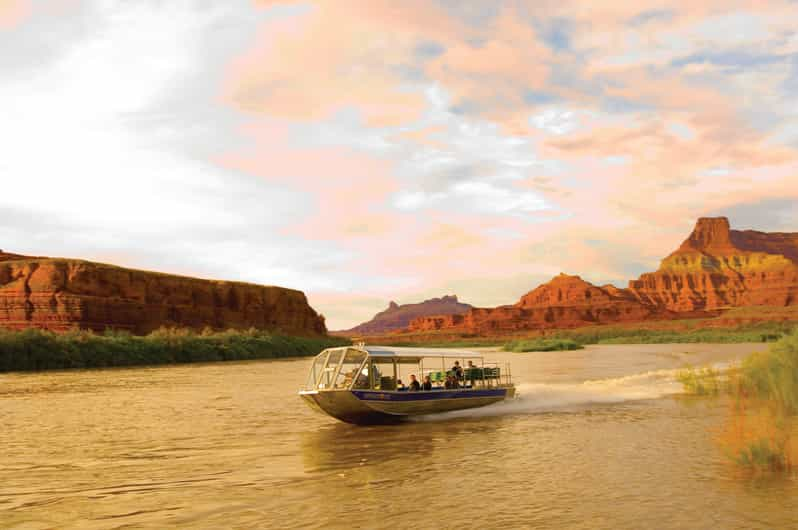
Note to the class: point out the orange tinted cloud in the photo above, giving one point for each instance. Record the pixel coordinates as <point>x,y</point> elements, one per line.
<point>13,12</point>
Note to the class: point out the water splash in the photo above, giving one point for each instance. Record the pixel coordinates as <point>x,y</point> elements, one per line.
<point>535,398</point>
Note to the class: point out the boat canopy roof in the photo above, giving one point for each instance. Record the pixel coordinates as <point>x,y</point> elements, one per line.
<point>381,351</point>
<point>391,352</point>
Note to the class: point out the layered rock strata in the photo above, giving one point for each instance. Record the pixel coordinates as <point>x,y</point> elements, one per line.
<point>716,268</point>
<point>59,294</point>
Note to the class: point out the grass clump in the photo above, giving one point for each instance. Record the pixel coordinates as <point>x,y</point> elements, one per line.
<point>761,433</point>
<point>35,349</point>
<point>701,381</point>
<point>542,345</point>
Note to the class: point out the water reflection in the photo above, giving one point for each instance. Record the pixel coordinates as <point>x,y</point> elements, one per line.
<point>341,446</point>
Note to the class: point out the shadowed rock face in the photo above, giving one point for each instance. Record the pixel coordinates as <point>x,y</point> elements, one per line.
<point>59,294</point>
<point>399,316</point>
<point>714,269</point>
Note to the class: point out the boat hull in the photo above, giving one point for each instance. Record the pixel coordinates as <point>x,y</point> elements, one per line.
<point>374,406</point>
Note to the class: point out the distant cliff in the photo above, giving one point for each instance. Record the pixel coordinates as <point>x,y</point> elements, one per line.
<point>58,294</point>
<point>716,268</point>
<point>399,316</point>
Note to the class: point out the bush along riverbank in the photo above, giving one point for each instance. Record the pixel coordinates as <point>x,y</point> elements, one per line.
<point>578,338</point>
<point>34,349</point>
<point>542,345</point>
<point>761,432</point>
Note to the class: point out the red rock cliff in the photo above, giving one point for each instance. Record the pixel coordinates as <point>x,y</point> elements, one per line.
<point>399,316</point>
<point>717,268</point>
<point>59,294</point>
<point>564,302</point>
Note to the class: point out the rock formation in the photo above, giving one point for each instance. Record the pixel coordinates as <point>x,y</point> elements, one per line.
<point>59,294</point>
<point>714,269</point>
<point>564,302</point>
<point>719,268</point>
<point>399,316</point>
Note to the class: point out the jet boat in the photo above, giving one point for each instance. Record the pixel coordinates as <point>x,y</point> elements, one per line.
<point>363,385</point>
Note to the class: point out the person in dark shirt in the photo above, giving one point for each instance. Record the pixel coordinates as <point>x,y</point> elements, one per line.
<point>457,370</point>
<point>414,386</point>
<point>427,385</point>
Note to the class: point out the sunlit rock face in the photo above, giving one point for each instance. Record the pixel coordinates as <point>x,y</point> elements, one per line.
<point>717,268</point>
<point>714,269</point>
<point>397,317</point>
<point>60,294</point>
<point>564,302</point>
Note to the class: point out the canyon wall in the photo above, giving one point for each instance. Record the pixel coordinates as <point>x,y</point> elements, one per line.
<point>60,294</point>
<point>719,268</point>
<point>716,268</point>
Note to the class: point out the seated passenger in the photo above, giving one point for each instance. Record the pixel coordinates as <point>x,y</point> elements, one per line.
<point>415,386</point>
<point>449,382</point>
<point>472,372</point>
<point>400,385</point>
<point>457,370</point>
<point>427,383</point>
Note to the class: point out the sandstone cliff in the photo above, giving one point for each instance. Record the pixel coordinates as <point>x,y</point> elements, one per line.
<point>59,294</point>
<point>397,316</point>
<point>564,302</point>
<point>716,268</point>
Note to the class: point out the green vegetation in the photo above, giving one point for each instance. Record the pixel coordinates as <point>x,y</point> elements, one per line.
<point>762,332</point>
<point>701,381</point>
<point>773,375</point>
<point>542,345</point>
<point>35,349</point>
<point>760,433</point>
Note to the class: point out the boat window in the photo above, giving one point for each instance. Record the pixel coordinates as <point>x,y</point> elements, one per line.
<point>327,375</point>
<point>383,375</point>
<point>350,371</point>
<point>316,370</point>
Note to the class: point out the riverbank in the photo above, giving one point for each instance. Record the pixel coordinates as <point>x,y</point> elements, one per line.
<point>761,431</point>
<point>35,350</point>
<point>686,333</point>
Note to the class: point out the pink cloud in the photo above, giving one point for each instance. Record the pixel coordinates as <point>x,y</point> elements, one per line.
<point>13,13</point>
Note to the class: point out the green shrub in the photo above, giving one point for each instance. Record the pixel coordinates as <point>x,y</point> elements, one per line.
<point>542,345</point>
<point>700,381</point>
<point>34,349</point>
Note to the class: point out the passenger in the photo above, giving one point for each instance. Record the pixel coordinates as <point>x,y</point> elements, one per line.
<point>448,383</point>
<point>427,383</point>
<point>400,386</point>
<point>457,370</point>
<point>455,384</point>
<point>414,384</point>
<point>471,370</point>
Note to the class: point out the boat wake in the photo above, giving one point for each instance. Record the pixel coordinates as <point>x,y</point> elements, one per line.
<point>533,398</point>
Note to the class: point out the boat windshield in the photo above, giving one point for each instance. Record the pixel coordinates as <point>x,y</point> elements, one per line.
<point>336,368</point>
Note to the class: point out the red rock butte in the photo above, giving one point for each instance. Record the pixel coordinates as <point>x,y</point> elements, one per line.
<point>60,294</point>
<point>715,269</point>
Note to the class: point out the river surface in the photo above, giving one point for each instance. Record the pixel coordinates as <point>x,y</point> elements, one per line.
<point>599,438</point>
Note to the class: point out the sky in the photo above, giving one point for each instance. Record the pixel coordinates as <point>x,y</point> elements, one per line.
<point>368,151</point>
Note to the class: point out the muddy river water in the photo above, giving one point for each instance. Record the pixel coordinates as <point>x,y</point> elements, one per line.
<point>599,438</point>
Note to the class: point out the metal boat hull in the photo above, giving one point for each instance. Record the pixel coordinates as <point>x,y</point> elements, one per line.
<point>374,406</point>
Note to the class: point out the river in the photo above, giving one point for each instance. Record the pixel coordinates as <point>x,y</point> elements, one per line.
<point>599,438</point>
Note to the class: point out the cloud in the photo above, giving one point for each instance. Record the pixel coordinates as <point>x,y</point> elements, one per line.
<point>392,150</point>
<point>13,12</point>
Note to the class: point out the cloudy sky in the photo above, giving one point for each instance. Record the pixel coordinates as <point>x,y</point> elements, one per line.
<point>375,150</point>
